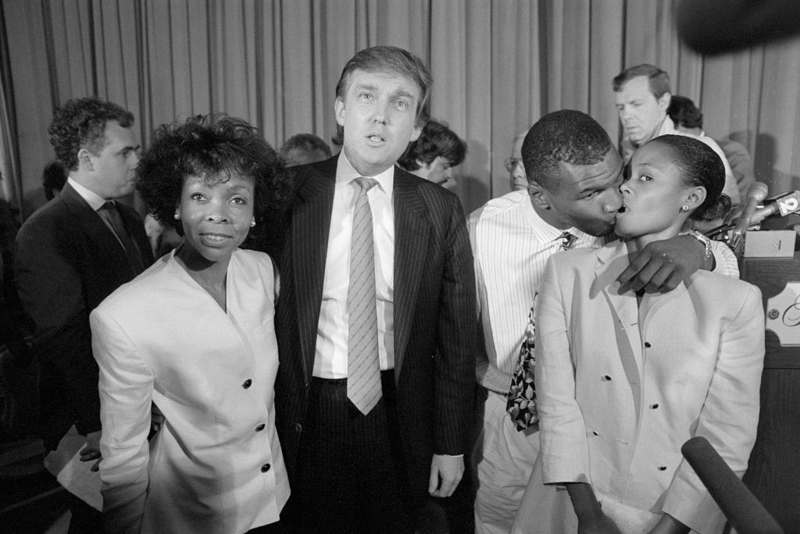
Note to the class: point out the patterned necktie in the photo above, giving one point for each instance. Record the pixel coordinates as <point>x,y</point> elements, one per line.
<point>521,397</point>
<point>363,366</point>
<point>567,239</point>
<point>110,213</point>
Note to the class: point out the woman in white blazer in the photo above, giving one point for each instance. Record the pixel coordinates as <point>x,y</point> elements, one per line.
<point>193,338</point>
<point>624,379</point>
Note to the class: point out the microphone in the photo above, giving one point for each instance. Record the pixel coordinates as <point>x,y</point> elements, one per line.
<point>782,205</point>
<point>739,505</point>
<point>755,194</point>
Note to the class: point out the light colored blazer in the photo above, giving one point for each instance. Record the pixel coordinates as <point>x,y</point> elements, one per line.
<point>216,464</point>
<point>621,387</point>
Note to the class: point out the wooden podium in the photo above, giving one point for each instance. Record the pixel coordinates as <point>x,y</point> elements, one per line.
<point>773,474</point>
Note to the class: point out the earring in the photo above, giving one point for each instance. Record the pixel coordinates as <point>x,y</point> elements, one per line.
<point>252,223</point>
<point>685,208</point>
<point>177,216</point>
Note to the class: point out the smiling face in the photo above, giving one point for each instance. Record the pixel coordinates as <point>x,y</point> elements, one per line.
<point>216,217</point>
<point>654,196</point>
<point>587,196</point>
<point>640,112</point>
<point>378,114</point>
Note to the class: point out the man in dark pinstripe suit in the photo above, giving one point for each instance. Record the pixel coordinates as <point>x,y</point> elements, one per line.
<point>375,472</point>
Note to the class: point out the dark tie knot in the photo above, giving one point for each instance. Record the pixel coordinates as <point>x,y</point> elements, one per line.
<point>110,205</point>
<point>364,184</point>
<point>567,239</point>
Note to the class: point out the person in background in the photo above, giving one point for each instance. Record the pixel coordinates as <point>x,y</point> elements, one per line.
<point>71,254</point>
<point>688,118</point>
<point>305,148</point>
<point>192,339</point>
<point>53,179</point>
<point>574,174</point>
<point>434,154</point>
<point>516,169</point>
<point>642,95</point>
<point>376,318</point>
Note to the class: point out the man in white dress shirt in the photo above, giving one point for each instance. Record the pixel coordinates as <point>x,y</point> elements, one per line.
<point>574,173</point>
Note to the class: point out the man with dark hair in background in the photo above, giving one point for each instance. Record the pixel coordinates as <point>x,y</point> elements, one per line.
<point>375,320</point>
<point>304,148</point>
<point>688,118</point>
<point>72,254</point>
<point>434,154</point>
<point>642,96</point>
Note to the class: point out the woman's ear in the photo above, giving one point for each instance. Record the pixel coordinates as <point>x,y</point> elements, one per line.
<point>696,197</point>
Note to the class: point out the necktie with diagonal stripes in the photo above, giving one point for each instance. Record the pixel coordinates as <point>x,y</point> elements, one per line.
<point>363,367</point>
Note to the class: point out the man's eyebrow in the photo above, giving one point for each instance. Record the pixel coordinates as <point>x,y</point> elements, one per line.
<point>367,86</point>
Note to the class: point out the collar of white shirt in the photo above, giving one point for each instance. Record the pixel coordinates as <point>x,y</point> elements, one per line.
<point>346,173</point>
<point>94,200</point>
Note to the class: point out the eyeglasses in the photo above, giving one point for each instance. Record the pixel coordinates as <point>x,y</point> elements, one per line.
<point>511,163</point>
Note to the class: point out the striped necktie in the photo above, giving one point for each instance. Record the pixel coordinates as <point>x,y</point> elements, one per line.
<point>363,366</point>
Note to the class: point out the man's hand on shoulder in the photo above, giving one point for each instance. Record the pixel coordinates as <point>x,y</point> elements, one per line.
<point>662,265</point>
<point>446,473</point>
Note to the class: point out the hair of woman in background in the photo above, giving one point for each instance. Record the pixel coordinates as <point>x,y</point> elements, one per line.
<point>192,341</point>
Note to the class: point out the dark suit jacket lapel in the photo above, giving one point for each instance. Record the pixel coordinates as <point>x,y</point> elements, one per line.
<point>411,229</point>
<point>89,220</point>
<point>309,244</point>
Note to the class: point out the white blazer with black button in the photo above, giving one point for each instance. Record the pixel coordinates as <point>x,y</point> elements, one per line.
<point>622,386</point>
<point>216,464</point>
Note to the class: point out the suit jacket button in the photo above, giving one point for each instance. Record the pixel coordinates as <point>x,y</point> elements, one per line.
<point>247,383</point>
<point>298,427</point>
<point>662,467</point>
<point>654,406</point>
<point>260,427</point>
<point>265,468</point>
<point>647,344</point>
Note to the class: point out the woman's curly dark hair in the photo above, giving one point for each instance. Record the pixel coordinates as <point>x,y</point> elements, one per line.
<point>215,147</point>
<point>81,123</point>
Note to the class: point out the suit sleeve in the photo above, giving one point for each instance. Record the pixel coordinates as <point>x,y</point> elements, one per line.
<point>564,449</point>
<point>126,392</point>
<point>729,417</point>
<point>455,364</point>
<point>51,291</point>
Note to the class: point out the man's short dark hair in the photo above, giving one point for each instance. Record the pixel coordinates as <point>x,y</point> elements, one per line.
<point>81,123</point>
<point>684,113</point>
<point>659,79</point>
<point>306,142</point>
<point>566,136</point>
<point>435,140</point>
<point>388,59</point>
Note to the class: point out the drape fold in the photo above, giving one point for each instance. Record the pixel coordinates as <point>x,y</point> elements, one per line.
<point>498,66</point>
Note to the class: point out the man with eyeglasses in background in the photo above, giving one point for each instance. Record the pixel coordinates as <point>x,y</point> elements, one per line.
<point>516,170</point>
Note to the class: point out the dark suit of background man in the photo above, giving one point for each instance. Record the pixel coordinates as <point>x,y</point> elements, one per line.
<point>372,472</point>
<point>70,257</point>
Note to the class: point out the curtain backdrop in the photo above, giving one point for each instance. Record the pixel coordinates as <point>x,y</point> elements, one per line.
<point>498,65</point>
